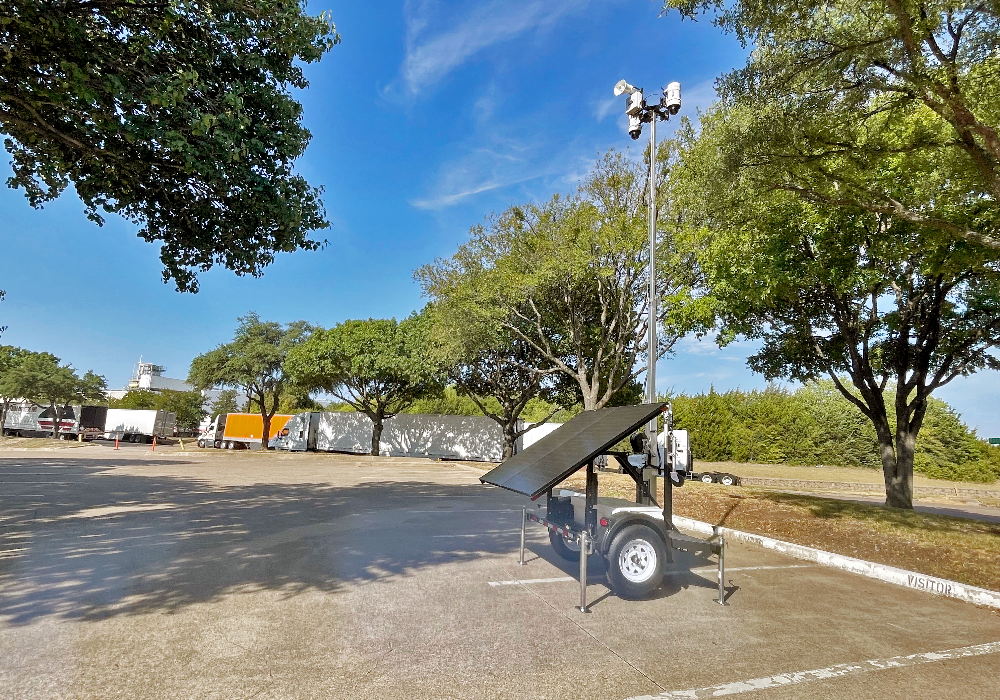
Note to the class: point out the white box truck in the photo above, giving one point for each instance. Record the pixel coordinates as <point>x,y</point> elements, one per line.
<point>136,425</point>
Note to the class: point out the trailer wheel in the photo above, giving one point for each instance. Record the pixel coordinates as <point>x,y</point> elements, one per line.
<point>727,480</point>
<point>707,479</point>
<point>635,562</point>
<point>564,547</point>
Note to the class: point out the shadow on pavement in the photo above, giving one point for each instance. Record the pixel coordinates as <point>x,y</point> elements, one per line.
<point>103,544</point>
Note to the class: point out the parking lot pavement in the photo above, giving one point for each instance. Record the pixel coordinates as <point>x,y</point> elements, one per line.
<point>308,576</point>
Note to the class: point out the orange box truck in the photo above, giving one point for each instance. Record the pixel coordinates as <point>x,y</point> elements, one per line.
<point>240,431</point>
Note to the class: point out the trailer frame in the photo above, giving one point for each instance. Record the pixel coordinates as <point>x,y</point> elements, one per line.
<point>544,465</point>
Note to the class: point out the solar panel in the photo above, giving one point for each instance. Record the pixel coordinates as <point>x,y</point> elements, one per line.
<point>560,453</point>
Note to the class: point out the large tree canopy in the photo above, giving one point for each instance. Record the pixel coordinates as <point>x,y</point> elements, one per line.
<point>569,278</point>
<point>175,114</point>
<point>863,298</point>
<point>889,107</point>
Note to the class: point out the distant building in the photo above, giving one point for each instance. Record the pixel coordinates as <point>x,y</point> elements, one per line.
<point>149,377</point>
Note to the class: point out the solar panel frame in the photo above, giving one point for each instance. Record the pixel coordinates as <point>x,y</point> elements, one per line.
<point>567,449</point>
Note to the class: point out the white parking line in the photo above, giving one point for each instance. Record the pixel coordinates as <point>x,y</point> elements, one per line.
<point>557,579</point>
<point>470,510</point>
<point>821,674</point>
<point>480,534</point>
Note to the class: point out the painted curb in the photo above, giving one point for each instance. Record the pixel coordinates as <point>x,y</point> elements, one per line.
<point>882,572</point>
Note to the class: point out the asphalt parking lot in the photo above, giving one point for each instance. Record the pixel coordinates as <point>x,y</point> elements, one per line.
<point>243,576</point>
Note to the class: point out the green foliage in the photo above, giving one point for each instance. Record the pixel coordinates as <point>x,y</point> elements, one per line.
<point>176,115</point>
<point>225,403</point>
<point>891,108</point>
<point>449,403</point>
<point>378,366</point>
<point>137,399</point>
<point>39,377</point>
<point>188,405</point>
<point>816,425</point>
<point>569,279</point>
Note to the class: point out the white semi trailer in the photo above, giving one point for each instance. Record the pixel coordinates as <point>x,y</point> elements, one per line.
<point>31,420</point>
<point>473,438</point>
<point>139,425</point>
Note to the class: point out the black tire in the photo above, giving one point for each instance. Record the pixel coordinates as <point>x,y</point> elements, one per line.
<point>201,444</point>
<point>727,480</point>
<point>567,550</point>
<point>636,562</point>
<point>707,479</point>
<point>218,444</point>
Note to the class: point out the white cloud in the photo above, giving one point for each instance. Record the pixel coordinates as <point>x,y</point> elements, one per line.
<point>435,47</point>
<point>503,163</point>
<point>602,108</point>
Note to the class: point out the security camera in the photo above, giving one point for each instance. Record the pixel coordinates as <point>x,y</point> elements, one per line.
<point>621,87</point>
<point>635,105</point>
<point>672,98</point>
<point>634,126</point>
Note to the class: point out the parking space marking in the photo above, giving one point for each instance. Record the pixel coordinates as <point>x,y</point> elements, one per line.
<point>480,534</point>
<point>470,510</point>
<point>821,674</point>
<point>557,579</point>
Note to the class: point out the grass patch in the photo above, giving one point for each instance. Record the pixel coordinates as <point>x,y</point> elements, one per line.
<point>936,545</point>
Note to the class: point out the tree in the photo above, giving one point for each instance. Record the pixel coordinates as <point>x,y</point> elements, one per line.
<point>569,278</point>
<point>830,291</point>
<point>487,363</point>
<point>253,362</point>
<point>40,378</point>
<point>175,115</point>
<point>887,107</point>
<point>135,399</point>
<point>378,367</point>
<point>224,403</point>
<point>10,357</point>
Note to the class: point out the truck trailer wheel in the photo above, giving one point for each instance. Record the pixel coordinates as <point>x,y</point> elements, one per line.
<point>707,478</point>
<point>564,547</point>
<point>635,562</point>
<point>727,480</point>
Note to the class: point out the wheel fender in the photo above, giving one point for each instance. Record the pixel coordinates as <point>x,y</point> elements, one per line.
<point>626,519</point>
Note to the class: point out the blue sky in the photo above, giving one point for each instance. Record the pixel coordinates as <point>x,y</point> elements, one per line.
<point>426,118</point>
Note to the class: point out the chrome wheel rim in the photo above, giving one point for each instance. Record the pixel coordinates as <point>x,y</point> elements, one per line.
<point>637,561</point>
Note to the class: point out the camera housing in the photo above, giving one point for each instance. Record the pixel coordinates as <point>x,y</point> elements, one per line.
<point>671,100</point>
<point>634,126</point>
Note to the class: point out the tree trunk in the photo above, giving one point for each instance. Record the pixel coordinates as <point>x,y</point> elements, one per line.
<point>897,467</point>
<point>4,408</point>
<point>376,434</point>
<point>266,420</point>
<point>509,438</point>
